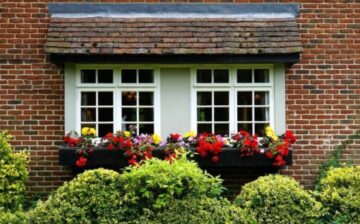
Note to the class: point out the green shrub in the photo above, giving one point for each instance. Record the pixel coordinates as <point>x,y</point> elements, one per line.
<point>13,175</point>
<point>340,195</point>
<point>198,211</point>
<point>93,197</point>
<point>278,199</point>
<point>156,183</point>
<point>13,217</point>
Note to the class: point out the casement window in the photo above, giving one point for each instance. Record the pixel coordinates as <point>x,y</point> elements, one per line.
<point>111,99</point>
<point>221,99</point>
<point>228,100</point>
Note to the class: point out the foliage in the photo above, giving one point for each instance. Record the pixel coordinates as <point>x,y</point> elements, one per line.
<point>17,217</point>
<point>156,183</point>
<point>198,211</point>
<point>278,199</point>
<point>341,194</point>
<point>13,174</point>
<point>334,159</point>
<point>93,197</point>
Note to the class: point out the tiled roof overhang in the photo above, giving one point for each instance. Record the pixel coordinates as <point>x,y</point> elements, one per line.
<point>155,30</point>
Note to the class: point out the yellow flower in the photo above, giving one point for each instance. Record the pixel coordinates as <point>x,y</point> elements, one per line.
<point>156,139</point>
<point>127,134</point>
<point>270,133</point>
<point>88,131</point>
<point>190,134</point>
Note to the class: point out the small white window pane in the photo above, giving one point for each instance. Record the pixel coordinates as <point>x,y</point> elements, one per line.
<point>221,76</point>
<point>204,114</point>
<point>203,76</point>
<point>105,76</point>
<point>88,98</point>
<point>128,114</point>
<point>88,76</point>
<point>244,114</point>
<point>88,114</point>
<point>106,114</point>
<point>204,98</point>
<point>244,98</point>
<point>146,114</point>
<point>128,126</point>
<point>104,129</point>
<point>261,75</point>
<point>146,129</point>
<point>245,127</point>
<point>259,129</point>
<point>201,128</point>
<point>129,98</point>
<point>128,76</point>
<point>146,98</point>
<point>261,98</point>
<point>244,76</point>
<point>221,98</point>
<point>105,98</point>
<point>146,76</point>
<point>261,114</point>
<point>222,129</point>
<point>221,114</point>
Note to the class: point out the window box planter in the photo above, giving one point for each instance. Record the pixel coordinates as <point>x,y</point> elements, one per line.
<point>115,159</point>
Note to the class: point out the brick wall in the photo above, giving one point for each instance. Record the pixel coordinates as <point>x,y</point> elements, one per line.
<point>323,90</point>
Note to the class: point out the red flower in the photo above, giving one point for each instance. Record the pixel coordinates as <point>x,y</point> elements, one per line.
<point>175,136</point>
<point>215,159</point>
<point>110,147</point>
<point>81,162</point>
<point>290,137</point>
<point>269,155</point>
<point>132,162</point>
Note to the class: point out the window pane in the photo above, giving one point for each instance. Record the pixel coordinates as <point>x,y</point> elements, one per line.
<point>203,76</point>
<point>259,129</point>
<point>88,98</point>
<point>261,98</point>
<point>106,114</point>
<point>105,129</point>
<point>204,114</point>
<point>146,98</point>
<point>105,76</point>
<point>146,76</point>
<point>88,76</point>
<point>244,75</point>
<point>128,114</point>
<point>128,76</point>
<point>221,98</point>
<point>128,126</point>
<point>203,98</point>
<point>105,98</point>
<point>88,114</point>
<point>261,75</point>
<point>88,126</point>
<point>221,76</point>
<point>146,114</point>
<point>245,127</point>
<point>221,114</point>
<point>204,128</point>
<point>244,114</point>
<point>222,129</point>
<point>261,114</point>
<point>146,129</point>
<point>244,98</point>
<point>129,98</point>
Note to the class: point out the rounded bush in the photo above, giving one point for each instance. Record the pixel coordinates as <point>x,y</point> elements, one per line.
<point>156,183</point>
<point>93,197</point>
<point>13,175</point>
<point>17,217</point>
<point>340,195</point>
<point>198,211</point>
<point>278,199</point>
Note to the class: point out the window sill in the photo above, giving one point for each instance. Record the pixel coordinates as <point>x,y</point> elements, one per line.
<point>115,159</point>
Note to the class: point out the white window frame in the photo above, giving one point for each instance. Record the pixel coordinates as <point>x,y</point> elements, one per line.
<point>117,87</point>
<point>232,87</point>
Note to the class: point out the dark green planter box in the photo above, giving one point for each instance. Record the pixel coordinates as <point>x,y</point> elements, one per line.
<point>115,159</point>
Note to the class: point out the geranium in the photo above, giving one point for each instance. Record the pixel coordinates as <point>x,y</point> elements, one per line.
<point>174,146</point>
<point>247,144</point>
<point>278,148</point>
<point>210,145</point>
<point>141,148</point>
<point>81,161</point>
<point>121,140</point>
